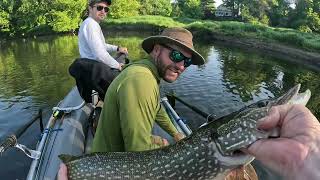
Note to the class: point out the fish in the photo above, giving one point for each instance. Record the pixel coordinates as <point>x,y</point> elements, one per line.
<point>210,152</point>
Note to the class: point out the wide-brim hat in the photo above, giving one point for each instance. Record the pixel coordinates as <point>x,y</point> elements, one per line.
<point>177,36</point>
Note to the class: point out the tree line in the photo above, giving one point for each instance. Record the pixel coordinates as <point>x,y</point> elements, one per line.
<point>21,17</point>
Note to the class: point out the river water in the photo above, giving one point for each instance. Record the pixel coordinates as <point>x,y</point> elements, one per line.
<point>34,75</point>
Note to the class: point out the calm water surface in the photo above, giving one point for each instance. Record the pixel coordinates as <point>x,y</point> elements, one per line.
<point>34,75</point>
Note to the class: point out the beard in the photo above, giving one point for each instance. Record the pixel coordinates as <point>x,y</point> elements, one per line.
<point>163,70</point>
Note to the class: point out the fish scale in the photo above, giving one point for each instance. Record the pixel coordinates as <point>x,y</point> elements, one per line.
<point>208,153</point>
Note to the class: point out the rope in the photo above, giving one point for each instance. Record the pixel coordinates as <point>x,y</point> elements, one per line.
<point>69,109</point>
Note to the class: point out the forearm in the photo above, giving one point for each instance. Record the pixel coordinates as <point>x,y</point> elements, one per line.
<point>165,123</point>
<point>107,59</point>
<point>111,48</point>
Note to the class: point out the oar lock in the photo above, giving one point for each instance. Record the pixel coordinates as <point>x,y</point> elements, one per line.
<point>11,141</point>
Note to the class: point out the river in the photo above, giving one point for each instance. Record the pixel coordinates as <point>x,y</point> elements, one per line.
<point>34,75</point>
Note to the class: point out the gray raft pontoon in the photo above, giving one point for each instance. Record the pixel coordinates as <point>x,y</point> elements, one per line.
<point>72,134</point>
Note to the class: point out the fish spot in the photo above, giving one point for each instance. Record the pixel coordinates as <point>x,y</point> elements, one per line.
<point>173,174</point>
<point>202,160</point>
<point>190,161</point>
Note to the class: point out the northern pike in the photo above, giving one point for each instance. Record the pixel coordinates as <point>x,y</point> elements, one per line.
<point>211,152</point>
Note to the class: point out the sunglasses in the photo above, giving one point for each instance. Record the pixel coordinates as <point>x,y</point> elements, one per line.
<point>99,8</point>
<point>176,56</point>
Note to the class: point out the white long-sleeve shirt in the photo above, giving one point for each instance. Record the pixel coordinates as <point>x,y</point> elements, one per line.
<point>92,43</point>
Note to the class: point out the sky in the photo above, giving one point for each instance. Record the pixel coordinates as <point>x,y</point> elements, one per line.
<point>218,2</point>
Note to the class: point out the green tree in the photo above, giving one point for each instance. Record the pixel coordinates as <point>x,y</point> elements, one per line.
<point>209,8</point>
<point>4,21</point>
<point>191,8</point>
<point>159,7</point>
<point>29,14</point>
<point>306,14</point>
<point>279,13</point>
<point>176,11</point>
<point>65,15</point>
<point>124,8</point>
<point>255,10</point>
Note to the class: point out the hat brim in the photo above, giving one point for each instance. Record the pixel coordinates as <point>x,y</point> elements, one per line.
<point>149,43</point>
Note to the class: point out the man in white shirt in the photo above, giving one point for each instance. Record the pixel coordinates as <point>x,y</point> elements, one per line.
<point>96,68</point>
<point>91,41</point>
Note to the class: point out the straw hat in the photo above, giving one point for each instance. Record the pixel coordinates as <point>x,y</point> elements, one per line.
<point>178,36</point>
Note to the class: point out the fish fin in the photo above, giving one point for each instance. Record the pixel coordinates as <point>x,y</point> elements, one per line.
<point>67,158</point>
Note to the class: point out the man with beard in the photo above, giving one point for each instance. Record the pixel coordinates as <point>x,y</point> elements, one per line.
<point>132,102</point>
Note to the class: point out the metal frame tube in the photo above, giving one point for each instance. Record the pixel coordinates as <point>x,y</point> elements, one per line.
<point>176,117</point>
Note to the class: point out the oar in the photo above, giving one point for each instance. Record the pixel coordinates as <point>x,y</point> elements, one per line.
<point>209,117</point>
<point>212,117</point>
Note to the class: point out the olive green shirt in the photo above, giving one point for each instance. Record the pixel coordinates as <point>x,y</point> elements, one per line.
<point>131,106</point>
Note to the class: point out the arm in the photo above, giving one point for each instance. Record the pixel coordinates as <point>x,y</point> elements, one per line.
<point>165,123</point>
<point>138,107</point>
<point>296,153</point>
<point>96,43</point>
<point>113,48</point>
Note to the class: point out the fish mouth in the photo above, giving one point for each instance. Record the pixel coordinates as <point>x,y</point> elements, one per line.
<point>232,158</point>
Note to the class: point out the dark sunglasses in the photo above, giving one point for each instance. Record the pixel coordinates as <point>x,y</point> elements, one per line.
<point>176,56</point>
<point>99,8</point>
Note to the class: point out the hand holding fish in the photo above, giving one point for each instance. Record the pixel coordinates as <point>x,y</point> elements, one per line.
<point>63,172</point>
<point>296,153</point>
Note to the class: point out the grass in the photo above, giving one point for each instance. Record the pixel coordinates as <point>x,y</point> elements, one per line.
<point>141,22</point>
<point>291,37</point>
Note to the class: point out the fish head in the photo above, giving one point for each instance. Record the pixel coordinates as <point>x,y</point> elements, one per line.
<point>241,130</point>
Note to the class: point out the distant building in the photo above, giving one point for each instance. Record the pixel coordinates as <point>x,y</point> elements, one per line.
<point>223,11</point>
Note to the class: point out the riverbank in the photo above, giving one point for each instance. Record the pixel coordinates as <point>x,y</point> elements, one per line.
<point>282,51</point>
<point>287,44</point>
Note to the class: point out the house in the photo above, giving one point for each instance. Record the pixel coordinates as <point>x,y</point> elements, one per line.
<point>223,11</point>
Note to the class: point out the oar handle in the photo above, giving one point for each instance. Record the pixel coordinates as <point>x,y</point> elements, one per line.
<point>10,141</point>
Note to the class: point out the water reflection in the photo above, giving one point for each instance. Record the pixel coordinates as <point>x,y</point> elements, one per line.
<point>34,74</point>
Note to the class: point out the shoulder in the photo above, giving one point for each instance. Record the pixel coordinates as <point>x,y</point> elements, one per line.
<point>90,23</point>
<point>138,76</point>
